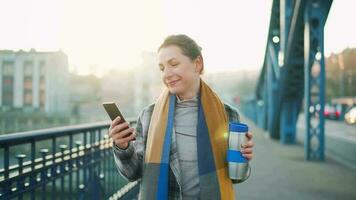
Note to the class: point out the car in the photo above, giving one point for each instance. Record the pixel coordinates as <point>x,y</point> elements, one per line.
<point>350,116</point>
<point>332,112</point>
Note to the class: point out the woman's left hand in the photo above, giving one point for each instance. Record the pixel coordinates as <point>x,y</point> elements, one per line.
<point>247,147</point>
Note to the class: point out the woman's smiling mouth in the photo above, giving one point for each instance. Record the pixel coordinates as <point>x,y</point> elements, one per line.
<point>172,83</point>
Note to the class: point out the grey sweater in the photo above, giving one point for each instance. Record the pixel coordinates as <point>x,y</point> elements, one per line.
<point>185,125</point>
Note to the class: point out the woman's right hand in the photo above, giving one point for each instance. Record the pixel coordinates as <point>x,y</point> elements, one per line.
<point>118,131</point>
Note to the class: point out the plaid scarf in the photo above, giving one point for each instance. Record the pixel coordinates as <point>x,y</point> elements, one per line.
<point>211,145</point>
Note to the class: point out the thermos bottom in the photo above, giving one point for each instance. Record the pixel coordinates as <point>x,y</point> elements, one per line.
<point>238,171</point>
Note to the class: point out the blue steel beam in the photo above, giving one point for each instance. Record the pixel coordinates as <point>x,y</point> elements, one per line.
<point>280,89</point>
<point>262,108</point>
<point>286,119</point>
<point>273,97</point>
<point>294,27</point>
<point>268,82</point>
<point>286,11</point>
<point>292,71</point>
<point>315,16</point>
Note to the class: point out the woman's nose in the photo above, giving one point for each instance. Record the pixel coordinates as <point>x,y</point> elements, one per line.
<point>167,73</point>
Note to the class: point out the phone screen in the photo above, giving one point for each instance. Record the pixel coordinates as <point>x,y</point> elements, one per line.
<point>113,112</point>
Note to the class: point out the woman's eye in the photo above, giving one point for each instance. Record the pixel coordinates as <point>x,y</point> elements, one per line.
<point>161,68</point>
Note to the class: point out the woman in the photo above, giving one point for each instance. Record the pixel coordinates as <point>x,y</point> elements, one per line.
<point>180,146</point>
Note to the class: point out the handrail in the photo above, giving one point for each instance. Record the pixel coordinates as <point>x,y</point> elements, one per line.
<point>75,162</point>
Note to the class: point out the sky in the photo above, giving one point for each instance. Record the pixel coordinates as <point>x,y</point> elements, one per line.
<point>340,30</point>
<point>98,35</point>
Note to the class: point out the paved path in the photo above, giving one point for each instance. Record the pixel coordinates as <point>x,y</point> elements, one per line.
<point>280,172</point>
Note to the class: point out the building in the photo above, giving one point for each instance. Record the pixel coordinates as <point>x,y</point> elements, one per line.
<point>133,89</point>
<point>341,74</point>
<point>34,81</point>
<point>85,98</point>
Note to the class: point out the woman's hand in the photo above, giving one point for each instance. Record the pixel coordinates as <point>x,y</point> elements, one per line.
<point>119,131</point>
<point>247,147</point>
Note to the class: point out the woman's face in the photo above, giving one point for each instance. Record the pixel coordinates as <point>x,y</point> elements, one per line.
<point>179,73</point>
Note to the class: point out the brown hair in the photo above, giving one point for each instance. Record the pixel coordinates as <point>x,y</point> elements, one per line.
<point>187,45</point>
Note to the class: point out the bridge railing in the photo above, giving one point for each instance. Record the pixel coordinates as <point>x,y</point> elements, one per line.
<point>72,162</point>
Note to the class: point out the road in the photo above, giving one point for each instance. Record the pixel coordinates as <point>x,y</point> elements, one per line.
<point>333,128</point>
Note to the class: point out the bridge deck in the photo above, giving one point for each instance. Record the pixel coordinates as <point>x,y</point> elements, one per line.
<point>280,172</point>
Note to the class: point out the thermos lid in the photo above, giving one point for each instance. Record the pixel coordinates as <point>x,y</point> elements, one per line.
<point>238,127</point>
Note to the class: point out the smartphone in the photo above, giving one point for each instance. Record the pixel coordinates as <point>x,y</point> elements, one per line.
<point>113,112</point>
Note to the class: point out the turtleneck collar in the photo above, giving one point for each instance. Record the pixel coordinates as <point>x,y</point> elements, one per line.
<point>194,99</point>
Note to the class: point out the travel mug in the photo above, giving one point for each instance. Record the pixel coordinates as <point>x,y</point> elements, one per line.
<point>239,169</point>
